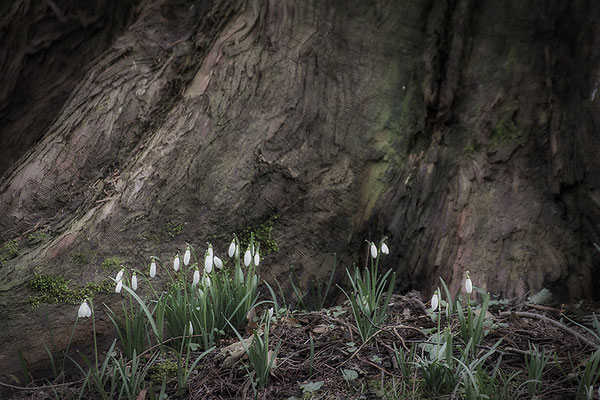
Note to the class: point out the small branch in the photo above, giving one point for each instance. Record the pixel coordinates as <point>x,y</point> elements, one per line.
<point>525,314</point>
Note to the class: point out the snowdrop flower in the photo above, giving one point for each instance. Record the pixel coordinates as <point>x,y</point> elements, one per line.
<point>176,263</point>
<point>119,286</point>
<point>134,281</point>
<point>468,284</point>
<point>187,255</point>
<point>206,281</point>
<point>270,312</point>
<point>201,295</point>
<point>84,310</point>
<point>208,263</point>
<point>256,259</point>
<point>191,329</point>
<point>247,257</point>
<point>384,248</point>
<point>210,250</point>
<point>231,250</point>
<point>153,269</point>
<point>435,300</point>
<point>237,250</point>
<point>119,275</point>
<point>196,277</point>
<point>373,250</point>
<point>218,262</point>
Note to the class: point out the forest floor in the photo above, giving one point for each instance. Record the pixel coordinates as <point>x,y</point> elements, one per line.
<point>320,356</point>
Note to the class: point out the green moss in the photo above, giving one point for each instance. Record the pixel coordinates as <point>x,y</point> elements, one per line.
<point>56,289</point>
<point>471,148</point>
<point>505,131</point>
<point>111,263</point>
<point>263,235</point>
<point>8,250</point>
<point>173,229</point>
<point>36,237</point>
<point>511,60</point>
<point>163,370</point>
<point>79,258</point>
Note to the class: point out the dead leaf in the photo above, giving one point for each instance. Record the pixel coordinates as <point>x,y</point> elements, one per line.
<point>251,327</point>
<point>142,395</point>
<point>289,320</point>
<point>270,356</point>
<point>235,351</point>
<point>320,328</point>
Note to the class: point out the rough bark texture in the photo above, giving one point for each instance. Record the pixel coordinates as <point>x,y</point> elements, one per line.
<point>465,131</point>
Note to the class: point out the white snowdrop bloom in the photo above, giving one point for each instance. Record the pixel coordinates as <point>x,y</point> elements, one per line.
<point>119,286</point>
<point>256,259</point>
<point>196,277</point>
<point>247,257</point>
<point>384,248</point>
<point>191,329</point>
<point>119,275</point>
<point>152,269</point>
<point>231,250</point>
<point>206,281</point>
<point>435,301</point>
<point>210,250</point>
<point>84,310</point>
<point>176,263</point>
<point>468,284</point>
<point>208,263</point>
<point>373,250</point>
<point>218,262</point>
<point>270,312</point>
<point>237,250</point>
<point>134,282</point>
<point>186,256</point>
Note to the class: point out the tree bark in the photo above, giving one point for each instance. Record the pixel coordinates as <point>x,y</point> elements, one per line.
<point>465,131</point>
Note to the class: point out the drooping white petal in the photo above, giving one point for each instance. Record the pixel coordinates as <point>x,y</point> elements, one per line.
<point>153,269</point>
<point>191,329</point>
<point>231,250</point>
<point>196,277</point>
<point>206,281</point>
<point>134,282</point>
<point>210,251</point>
<point>435,302</point>
<point>208,263</point>
<point>237,250</point>
<point>84,310</point>
<point>119,286</point>
<point>385,249</point>
<point>256,259</point>
<point>468,286</point>
<point>186,256</point>
<point>270,312</point>
<point>247,257</point>
<point>373,250</point>
<point>119,275</point>
<point>176,263</point>
<point>218,262</point>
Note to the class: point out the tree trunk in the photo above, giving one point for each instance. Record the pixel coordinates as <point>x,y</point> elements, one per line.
<point>465,131</point>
